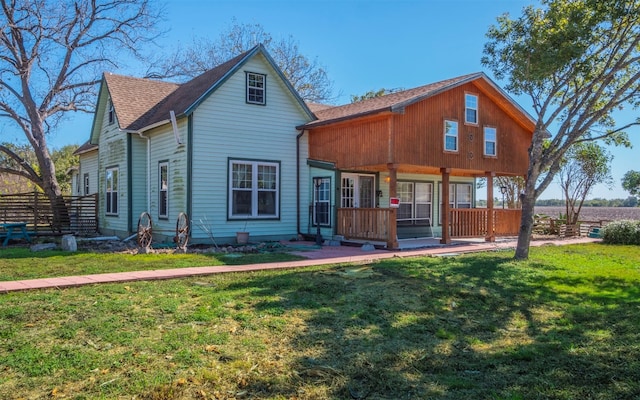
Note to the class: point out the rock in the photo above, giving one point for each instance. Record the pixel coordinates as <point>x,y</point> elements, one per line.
<point>69,243</point>
<point>145,250</point>
<point>43,246</point>
<point>368,247</point>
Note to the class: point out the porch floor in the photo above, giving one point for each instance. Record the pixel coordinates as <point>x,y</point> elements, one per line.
<point>423,243</point>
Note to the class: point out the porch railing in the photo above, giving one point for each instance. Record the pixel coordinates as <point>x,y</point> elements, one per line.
<point>472,222</point>
<point>367,223</point>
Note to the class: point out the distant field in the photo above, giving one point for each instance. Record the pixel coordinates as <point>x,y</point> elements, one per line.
<point>596,213</point>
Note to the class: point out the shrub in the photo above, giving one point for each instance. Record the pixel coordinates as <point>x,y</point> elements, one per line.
<point>622,232</point>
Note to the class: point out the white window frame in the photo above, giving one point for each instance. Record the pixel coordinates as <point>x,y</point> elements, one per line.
<point>111,191</point>
<point>77,180</point>
<point>412,199</point>
<point>494,141</point>
<point>455,194</point>
<point>163,188</point>
<point>468,106</point>
<point>254,186</point>
<point>448,132</point>
<point>111,112</point>
<point>256,88</point>
<point>322,196</point>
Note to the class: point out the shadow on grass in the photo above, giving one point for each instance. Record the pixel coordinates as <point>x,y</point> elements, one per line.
<point>479,326</point>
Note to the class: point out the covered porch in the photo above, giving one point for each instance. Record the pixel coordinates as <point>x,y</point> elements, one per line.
<point>379,226</point>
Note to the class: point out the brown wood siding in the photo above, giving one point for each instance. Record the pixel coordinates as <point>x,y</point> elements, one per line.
<point>418,137</point>
<point>352,144</point>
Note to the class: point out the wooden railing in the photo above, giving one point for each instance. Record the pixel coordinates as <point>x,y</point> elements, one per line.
<point>80,212</point>
<point>472,222</point>
<point>377,224</point>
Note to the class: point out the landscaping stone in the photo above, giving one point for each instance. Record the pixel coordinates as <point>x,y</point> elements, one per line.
<point>69,243</point>
<point>368,247</point>
<point>43,247</point>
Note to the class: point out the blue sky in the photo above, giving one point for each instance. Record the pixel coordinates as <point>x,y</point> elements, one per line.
<point>364,45</point>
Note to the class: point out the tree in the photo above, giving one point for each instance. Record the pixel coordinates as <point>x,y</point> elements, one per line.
<point>631,183</point>
<point>513,186</point>
<point>51,57</point>
<point>63,158</point>
<point>10,182</point>
<point>586,164</point>
<point>308,77</point>
<point>373,94</point>
<point>579,62</point>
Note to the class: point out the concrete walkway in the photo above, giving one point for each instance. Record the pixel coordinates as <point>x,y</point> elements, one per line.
<point>325,256</point>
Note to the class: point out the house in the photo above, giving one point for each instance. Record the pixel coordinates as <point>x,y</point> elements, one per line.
<point>84,179</point>
<point>221,148</point>
<point>384,165</point>
<point>237,149</point>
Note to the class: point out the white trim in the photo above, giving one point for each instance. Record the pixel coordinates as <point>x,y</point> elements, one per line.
<point>252,76</point>
<point>109,194</point>
<point>161,190</point>
<point>446,133</point>
<point>494,141</point>
<point>253,187</point>
<point>475,109</point>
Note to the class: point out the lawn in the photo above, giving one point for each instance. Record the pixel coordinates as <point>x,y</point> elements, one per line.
<point>563,325</point>
<point>21,263</point>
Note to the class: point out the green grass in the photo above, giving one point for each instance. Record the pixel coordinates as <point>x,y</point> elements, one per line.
<point>563,325</point>
<point>20,263</point>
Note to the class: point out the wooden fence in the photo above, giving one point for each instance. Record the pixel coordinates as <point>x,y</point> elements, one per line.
<point>34,209</point>
<point>473,222</point>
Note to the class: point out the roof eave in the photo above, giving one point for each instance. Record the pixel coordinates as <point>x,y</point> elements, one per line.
<point>315,124</point>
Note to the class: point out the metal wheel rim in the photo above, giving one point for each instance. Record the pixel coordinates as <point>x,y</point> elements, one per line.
<point>145,230</point>
<point>182,230</point>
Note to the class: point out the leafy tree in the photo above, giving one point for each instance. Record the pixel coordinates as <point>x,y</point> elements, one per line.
<point>373,94</point>
<point>51,57</point>
<point>586,164</point>
<point>64,159</point>
<point>579,62</point>
<point>631,183</point>
<point>307,76</point>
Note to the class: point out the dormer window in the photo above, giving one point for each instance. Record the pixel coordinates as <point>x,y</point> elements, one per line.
<point>110,112</point>
<point>470,109</point>
<point>256,88</point>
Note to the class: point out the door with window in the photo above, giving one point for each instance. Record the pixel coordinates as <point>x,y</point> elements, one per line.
<point>357,191</point>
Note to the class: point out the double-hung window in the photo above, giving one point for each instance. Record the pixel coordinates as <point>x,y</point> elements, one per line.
<point>254,189</point>
<point>256,88</point>
<point>470,109</point>
<point>163,190</point>
<point>321,201</point>
<point>450,135</point>
<point>111,200</point>
<point>460,196</point>
<point>415,203</point>
<point>490,141</point>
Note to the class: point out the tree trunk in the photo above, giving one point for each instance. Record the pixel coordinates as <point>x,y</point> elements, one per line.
<point>50,186</point>
<point>526,225</point>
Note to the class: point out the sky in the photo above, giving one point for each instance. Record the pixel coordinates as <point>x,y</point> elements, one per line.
<point>363,45</point>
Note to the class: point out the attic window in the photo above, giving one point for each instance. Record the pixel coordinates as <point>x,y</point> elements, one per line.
<point>256,88</point>
<point>470,109</point>
<point>110,112</point>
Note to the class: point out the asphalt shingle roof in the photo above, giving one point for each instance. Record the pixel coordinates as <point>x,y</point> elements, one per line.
<point>140,103</point>
<point>387,102</point>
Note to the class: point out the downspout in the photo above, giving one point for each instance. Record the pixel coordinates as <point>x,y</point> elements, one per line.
<point>298,137</point>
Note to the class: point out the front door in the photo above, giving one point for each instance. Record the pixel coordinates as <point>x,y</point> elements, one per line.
<point>357,191</point>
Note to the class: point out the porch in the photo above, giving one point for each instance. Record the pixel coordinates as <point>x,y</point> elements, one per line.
<point>379,226</point>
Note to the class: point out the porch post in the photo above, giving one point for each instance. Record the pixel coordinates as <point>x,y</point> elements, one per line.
<point>490,235</point>
<point>392,229</point>
<point>446,236</point>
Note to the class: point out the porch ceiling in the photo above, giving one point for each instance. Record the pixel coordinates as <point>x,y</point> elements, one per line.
<point>421,169</point>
